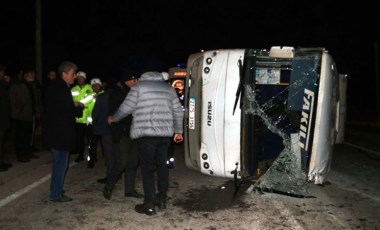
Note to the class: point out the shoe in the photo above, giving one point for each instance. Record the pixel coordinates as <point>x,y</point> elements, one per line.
<point>63,199</point>
<point>133,194</point>
<point>7,164</point>
<point>103,180</point>
<point>3,168</point>
<point>79,159</point>
<point>107,193</point>
<point>90,164</point>
<point>147,209</point>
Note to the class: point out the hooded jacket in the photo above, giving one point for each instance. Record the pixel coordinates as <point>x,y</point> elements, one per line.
<point>155,107</point>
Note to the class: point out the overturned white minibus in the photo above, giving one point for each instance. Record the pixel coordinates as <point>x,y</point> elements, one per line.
<point>245,108</point>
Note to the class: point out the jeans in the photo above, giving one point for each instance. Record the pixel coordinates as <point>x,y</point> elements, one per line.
<point>153,152</point>
<point>60,163</point>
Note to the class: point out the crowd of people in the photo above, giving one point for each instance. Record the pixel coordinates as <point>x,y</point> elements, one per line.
<point>133,122</point>
<point>21,107</point>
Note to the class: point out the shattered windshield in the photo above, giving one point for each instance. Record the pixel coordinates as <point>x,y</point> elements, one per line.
<point>279,112</point>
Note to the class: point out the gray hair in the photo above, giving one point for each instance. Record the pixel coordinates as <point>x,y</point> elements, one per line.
<point>66,66</point>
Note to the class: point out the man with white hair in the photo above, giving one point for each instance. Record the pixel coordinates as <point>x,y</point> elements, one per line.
<point>59,127</point>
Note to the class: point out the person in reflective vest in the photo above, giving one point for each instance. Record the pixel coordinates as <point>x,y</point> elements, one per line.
<point>82,93</point>
<point>97,88</point>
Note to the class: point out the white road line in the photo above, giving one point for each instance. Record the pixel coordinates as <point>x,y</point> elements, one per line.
<point>22,191</point>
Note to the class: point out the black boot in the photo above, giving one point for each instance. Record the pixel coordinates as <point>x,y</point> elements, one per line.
<point>103,180</point>
<point>90,164</point>
<point>107,193</point>
<point>79,159</point>
<point>147,209</point>
<point>3,168</point>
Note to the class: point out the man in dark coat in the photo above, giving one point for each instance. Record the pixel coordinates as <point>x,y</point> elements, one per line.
<point>26,108</point>
<point>5,113</point>
<point>59,126</point>
<point>124,149</point>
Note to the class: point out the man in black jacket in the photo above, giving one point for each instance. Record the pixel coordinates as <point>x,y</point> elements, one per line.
<point>59,126</point>
<point>125,149</point>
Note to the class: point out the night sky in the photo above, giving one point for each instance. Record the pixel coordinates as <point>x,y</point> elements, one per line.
<point>104,37</point>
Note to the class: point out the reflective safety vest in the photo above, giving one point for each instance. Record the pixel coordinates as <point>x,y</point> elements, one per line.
<point>83,95</point>
<point>90,106</point>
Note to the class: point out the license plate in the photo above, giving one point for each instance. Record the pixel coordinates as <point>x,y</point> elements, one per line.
<point>192,113</point>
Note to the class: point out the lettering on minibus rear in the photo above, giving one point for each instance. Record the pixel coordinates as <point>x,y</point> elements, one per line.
<point>209,113</point>
<point>307,113</point>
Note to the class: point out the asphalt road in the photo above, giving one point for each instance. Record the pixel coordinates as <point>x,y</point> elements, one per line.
<point>348,200</point>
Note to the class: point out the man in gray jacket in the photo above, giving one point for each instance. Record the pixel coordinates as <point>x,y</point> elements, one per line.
<point>157,117</point>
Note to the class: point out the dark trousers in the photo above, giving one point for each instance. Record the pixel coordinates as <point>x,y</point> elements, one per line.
<point>80,136</point>
<point>2,138</point>
<point>83,133</point>
<point>109,154</point>
<point>153,152</point>
<point>127,161</point>
<point>93,146</point>
<point>23,135</point>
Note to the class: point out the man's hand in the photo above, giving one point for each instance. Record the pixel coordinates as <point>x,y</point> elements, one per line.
<point>177,138</point>
<point>110,120</point>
